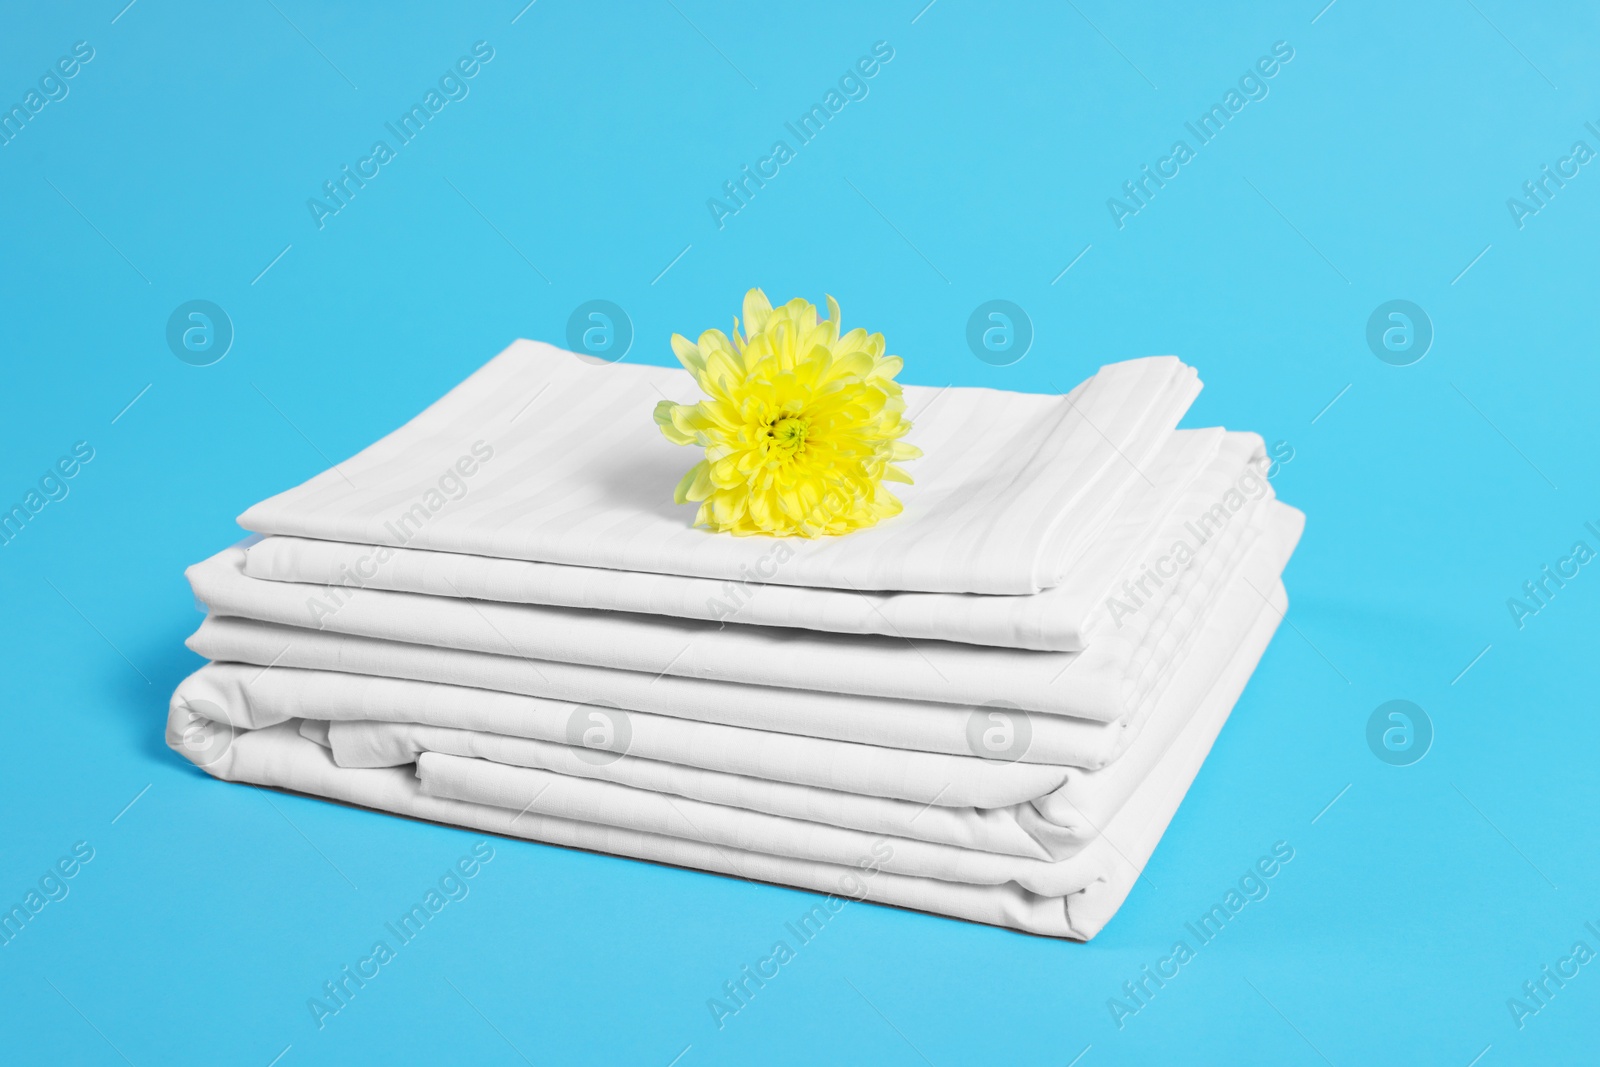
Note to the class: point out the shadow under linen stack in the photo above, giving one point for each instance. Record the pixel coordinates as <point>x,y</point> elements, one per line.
<point>987,707</point>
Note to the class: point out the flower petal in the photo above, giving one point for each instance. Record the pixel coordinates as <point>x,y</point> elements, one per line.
<point>802,427</point>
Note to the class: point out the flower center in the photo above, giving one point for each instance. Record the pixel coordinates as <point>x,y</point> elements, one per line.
<point>788,435</point>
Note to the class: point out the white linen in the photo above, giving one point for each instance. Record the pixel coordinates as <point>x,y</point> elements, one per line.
<point>1069,898</point>
<point>247,697</point>
<point>592,800</point>
<point>1013,809</point>
<point>918,725</point>
<point>813,713</point>
<point>986,829</point>
<point>1101,683</point>
<point>1017,809</point>
<point>1186,480</point>
<point>541,455</point>
<point>281,758</point>
<point>255,650</point>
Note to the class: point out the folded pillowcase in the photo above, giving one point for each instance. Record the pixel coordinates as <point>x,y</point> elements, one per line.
<point>543,456</point>
<point>1186,481</point>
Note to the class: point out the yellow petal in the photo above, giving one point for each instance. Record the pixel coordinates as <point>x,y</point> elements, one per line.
<point>665,416</point>
<point>682,494</point>
<point>757,309</point>
<point>827,476</point>
<point>686,351</point>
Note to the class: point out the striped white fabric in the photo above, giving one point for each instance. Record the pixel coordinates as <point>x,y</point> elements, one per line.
<point>1016,809</point>
<point>922,726</point>
<point>1072,897</point>
<point>1099,683</point>
<point>476,722</point>
<point>1177,489</point>
<point>543,456</point>
<point>988,707</point>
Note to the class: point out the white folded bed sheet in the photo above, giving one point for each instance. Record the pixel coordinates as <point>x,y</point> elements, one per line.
<point>543,456</point>
<point>920,726</point>
<point>1071,897</point>
<point>1102,683</point>
<point>280,757</point>
<point>1174,500</point>
<point>1023,810</point>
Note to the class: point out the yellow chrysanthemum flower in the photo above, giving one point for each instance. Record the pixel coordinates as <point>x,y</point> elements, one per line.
<point>801,427</point>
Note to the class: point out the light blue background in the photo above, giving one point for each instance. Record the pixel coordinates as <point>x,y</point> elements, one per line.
<point>1378,168</point>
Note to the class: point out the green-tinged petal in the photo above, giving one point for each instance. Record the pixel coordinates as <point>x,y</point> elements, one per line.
<point>666,416</point>
<point>701,487</point>
<point>683,493</point>
<point>686,352</point>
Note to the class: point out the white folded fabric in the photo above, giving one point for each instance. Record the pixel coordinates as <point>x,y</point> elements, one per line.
<point>1102,683</point>
<point>543,456</point>
<point>412,714</point>
<point>983,828</point>
<point>1014,809</point>
<point>988,706</point>
<point>1067,898</point>
<point>280,757</point>
<point>919,725</point>
<point>1187,480</point>
<point>590,799</point>
<point>255,650</point>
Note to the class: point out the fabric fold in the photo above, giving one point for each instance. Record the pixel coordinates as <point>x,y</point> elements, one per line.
<point>1043,813</point>
<point>895,723</point>
<point>1100,683</point>
<point>1180,489</point>
<point>1082,892</point>
<point>541,455</point>
<point>989,706</point>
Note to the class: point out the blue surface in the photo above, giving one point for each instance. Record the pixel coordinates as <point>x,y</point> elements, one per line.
<point>577,167</point>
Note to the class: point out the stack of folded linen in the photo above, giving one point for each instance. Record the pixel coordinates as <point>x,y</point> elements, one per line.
<point>988,707</point>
